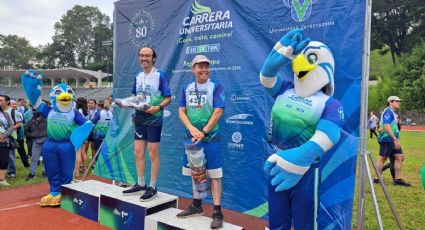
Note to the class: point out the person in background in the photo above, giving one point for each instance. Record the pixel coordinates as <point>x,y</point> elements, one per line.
<point>27,117</point>
<point>372,124</point>
<point>20,133</point>
<point>389,141</point>
<point>36,129</point>
<point>102,119</point>
<point>81,106</point>
<point>92,109</point>
<point>17,122</point>
<point>6,128</point>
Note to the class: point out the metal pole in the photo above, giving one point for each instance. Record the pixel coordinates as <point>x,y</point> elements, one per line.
<point>92,161</point>
<point>384,189</point>
<point>363,117</point>
<point>372,192</point>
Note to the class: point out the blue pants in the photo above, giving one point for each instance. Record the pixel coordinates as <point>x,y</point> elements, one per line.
<point>59,161</point>
<point>12,162</point>
<point>36,154</point>
<point>294,206</point>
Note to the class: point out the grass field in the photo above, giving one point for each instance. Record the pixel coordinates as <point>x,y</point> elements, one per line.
<point>409,202</point>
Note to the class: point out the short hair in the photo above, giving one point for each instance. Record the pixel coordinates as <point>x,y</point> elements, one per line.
<point>153,53</point>
<point>94,100</point>
<point>6,98</point>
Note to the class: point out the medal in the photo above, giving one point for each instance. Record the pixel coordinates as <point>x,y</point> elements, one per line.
<point>198,97</point>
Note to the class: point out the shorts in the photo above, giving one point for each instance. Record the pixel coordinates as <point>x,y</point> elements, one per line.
<point>4,157</point>
<point>147,132</point>
<point>387,149</point>
<point>212,152</point>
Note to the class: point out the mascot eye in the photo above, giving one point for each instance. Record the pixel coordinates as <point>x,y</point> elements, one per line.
<point>312,58</point>
<point>70,91</point>
<point>58,92</point>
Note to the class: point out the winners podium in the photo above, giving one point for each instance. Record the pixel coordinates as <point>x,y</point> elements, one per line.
<point>104,203</point>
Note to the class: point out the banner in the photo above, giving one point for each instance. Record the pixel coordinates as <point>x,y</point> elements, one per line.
<point>237,37</point>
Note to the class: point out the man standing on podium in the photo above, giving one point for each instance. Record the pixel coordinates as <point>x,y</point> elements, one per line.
<point>152,86</point>
<point>200,108</point>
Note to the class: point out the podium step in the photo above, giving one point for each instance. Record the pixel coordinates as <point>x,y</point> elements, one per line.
<point>167,220</point>
<point>105,203</point>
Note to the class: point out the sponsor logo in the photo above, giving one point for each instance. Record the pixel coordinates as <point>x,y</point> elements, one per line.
<point>239,98</point>
<point>205,19</point>
<point>341,113</point>
<point>236,142</point>
<point>300,99</point>
<point>121,214</point>
<point>203,49</point>
<point>141,28</point>
<point>167,113</point>
<point>239,119</point>
<point>300,9</point>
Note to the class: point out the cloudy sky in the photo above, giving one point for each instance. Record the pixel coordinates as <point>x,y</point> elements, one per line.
<point>34,19</point>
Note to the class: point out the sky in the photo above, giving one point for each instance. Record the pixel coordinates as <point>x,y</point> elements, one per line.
<point>34,19</point>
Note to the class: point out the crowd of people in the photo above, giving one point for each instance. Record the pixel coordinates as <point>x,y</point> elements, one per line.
<point>21,125</point>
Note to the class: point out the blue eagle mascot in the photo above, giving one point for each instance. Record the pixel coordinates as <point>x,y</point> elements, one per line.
<point>306,123</point>
<point>67,129</point>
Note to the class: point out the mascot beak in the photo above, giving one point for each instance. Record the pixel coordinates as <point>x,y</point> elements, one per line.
<point>301,67</point>
<point>64,98</point>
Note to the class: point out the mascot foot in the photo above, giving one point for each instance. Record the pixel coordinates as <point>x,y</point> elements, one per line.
<point>50,201</point>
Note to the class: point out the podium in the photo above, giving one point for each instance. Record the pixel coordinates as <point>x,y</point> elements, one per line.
<point>167,220</point>
<point>104,203</point>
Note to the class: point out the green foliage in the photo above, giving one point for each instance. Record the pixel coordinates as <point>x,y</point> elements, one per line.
<point>397,24</point>
<point>79,36</point>
<point>16,51</point>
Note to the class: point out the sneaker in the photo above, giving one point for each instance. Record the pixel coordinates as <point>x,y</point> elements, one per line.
<point>217,221</point>
<point>30,177</point>
<point>12,175</point>
<point>191,211</point>
<point>149,194</point>
<point>4,183</point>
<point>376,181</point>
<point>401,182</point>
<point>135,190</point>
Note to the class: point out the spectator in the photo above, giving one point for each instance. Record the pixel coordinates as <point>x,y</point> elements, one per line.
<point>27,117</point>
<point>36,129</point>
<point>102,119</point>
<point>389,140</point>
<point>82,152</point>
<point>372,124</point>
<point>17,122</point>
<point>20,132</point>
<point>92,109</point>
<point>6,128</point>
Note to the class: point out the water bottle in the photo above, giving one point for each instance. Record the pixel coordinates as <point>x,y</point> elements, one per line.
<point>196,158</point>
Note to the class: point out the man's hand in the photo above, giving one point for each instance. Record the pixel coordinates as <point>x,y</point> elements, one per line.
<point>153,109</point>
<point>196,135</point>
<point>397,144</point>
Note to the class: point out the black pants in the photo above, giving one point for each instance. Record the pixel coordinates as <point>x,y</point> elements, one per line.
<point>29,146</point>
<point>373,132</point>
<point>4,157</point>
<point>22,153</point>
<point>390,166</point>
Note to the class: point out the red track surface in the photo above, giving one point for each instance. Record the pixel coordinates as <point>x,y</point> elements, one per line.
<point>19,210</point>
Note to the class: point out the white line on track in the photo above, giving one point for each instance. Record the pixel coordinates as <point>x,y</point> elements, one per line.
<point>19,206</point>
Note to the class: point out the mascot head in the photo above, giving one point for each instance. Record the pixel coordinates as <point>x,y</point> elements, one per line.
<point>62,96</point>
<point>313,70</point>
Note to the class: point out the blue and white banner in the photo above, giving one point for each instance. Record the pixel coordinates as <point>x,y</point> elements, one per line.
<point>237,37</point>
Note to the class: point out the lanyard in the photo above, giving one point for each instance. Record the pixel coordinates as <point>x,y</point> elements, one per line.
<point>198,97</point>
<point>144,82</point>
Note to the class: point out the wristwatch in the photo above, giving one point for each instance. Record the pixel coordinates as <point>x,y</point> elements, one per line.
<point>160,107</point>
<point>205,133</point>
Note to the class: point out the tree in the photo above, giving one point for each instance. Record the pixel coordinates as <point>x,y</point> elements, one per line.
<point>16,51</point>
<point>398,25</point>
<point>79,36</point>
